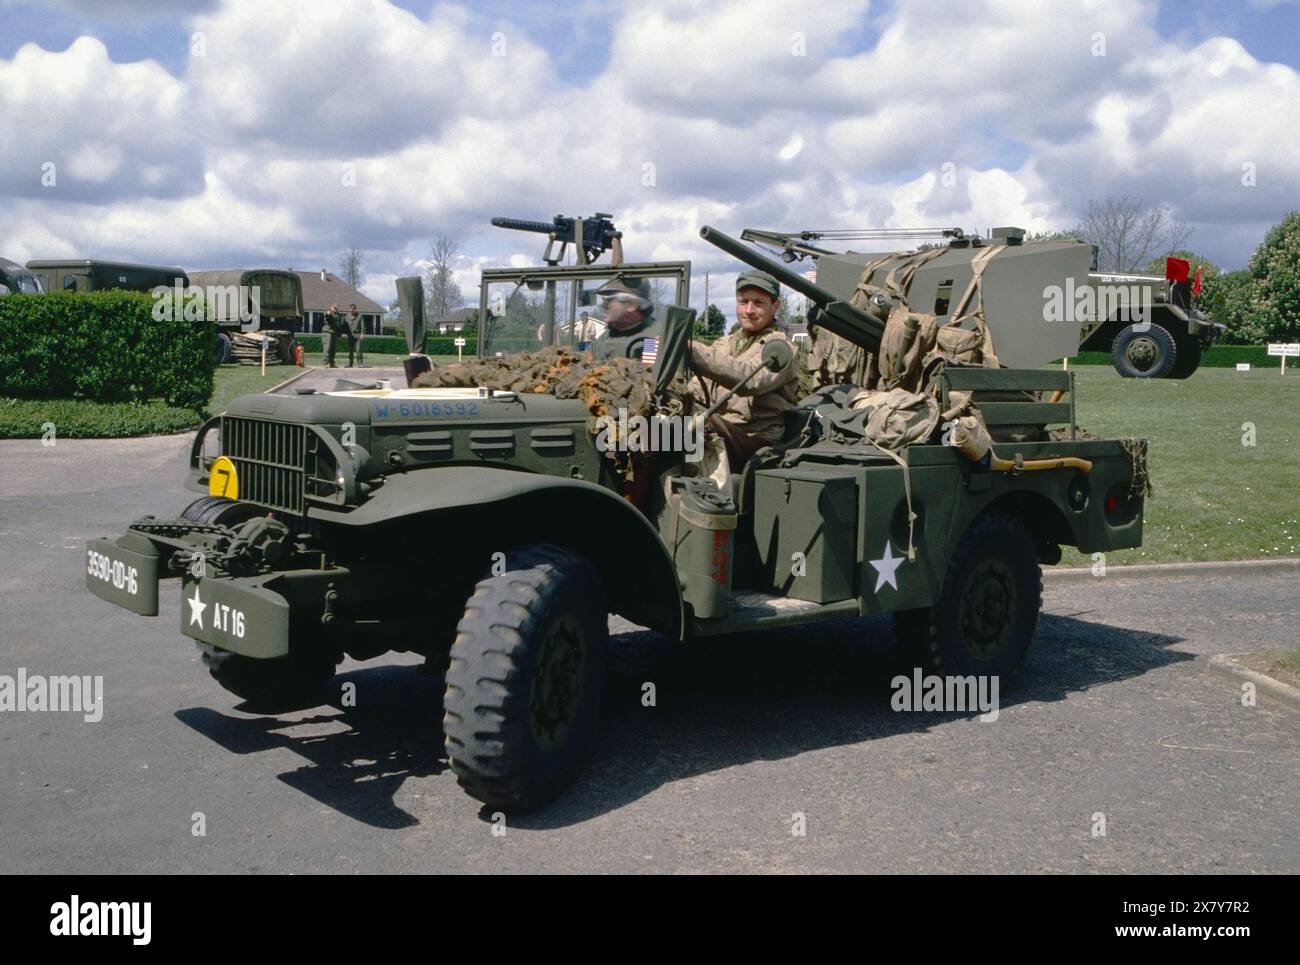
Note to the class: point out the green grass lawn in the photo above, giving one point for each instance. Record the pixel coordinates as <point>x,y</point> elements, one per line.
<point>1215,498</point>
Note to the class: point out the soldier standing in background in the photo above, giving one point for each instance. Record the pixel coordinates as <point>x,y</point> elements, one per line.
<point>356,329</point>
<point>333,329</point>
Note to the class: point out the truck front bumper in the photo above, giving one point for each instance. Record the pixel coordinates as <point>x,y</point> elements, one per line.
<point>247,615</point>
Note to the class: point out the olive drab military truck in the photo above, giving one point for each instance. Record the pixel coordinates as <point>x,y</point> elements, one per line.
<point>17,280</point>
<point>249,306</point>
<point>1043,300</point>
<point>87,275</point>
<point>479,524</point>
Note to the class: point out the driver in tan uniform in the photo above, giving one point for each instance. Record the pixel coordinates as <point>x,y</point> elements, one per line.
<point>755,416</point>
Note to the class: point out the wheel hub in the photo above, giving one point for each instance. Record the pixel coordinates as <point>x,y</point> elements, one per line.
<point>557,683</point>
<point>987,608</point>
<point>1142,352</point>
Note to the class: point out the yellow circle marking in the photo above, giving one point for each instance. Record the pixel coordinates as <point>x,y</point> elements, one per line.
<point>223,480</point>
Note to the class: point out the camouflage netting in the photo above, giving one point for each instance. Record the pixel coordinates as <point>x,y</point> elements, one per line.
<point>604,387</point>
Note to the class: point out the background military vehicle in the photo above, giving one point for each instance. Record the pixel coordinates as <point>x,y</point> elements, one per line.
<point>1042,299</point>
<point>15,279</point>
<point>488,530</point>
<point>86,275</point>
<point>276,315</point>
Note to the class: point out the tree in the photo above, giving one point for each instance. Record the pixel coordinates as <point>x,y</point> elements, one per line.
<point>442,295</point>
<point>350,267</point>
<point>712,325</point>
<point>1275,273</point>
<point>659,297</point>
<point>1208,268</point>
<point>1229,302</point>
<point>1128,233</point>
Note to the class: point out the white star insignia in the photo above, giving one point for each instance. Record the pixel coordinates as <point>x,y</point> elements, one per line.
<point>887,568</point>
<point>197,607</point>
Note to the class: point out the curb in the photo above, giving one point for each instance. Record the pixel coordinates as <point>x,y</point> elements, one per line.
<point>289,381</point>
<point>1225,663</point>
<point>1083,574</point>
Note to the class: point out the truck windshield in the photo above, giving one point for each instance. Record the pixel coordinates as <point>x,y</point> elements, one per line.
<point>517,313</point>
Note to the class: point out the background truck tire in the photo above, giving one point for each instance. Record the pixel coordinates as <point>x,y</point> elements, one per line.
<point>1189,357</point>
<point>1144,353</point>
<point>526,674</point>
<point>270,686</point>
<point>222,350</point>
<point>984,619</point>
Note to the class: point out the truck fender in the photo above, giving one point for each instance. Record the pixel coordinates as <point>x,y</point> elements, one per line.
<point>485,509</point>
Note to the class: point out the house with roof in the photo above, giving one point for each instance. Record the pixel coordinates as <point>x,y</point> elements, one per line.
<point>454,322</point>
<point>321,289</point>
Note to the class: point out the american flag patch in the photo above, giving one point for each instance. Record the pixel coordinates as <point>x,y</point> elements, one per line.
<point>650,351</point>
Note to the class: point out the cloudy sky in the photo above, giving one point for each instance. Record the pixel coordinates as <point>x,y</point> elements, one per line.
<point>218,134</point>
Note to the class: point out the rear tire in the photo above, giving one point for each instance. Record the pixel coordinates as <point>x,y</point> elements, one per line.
<point>1147,352</point>
<point>984,619</point>
<point>526,674</point>
<point>223,348</point>
<point>1189,357</point>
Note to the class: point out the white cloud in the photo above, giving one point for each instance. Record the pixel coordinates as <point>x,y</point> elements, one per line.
<point>101,124</point>
<point>737,114</point>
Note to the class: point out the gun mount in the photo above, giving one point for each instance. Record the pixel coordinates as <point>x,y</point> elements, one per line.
<point>590,237</point>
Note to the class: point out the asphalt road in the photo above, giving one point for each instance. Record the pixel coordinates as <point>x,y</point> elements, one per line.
<point>1118,713</point>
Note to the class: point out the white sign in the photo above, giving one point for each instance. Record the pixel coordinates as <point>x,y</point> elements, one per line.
<point>460,343</point>
<point>1243,366</point>
<point>1284,348</point>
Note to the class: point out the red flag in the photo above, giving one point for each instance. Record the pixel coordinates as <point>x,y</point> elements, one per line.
<point>1196,282</point>
<point>1176,269</point>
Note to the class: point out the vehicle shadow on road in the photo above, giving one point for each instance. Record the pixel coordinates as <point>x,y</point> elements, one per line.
<point>358,755</point>
<point>719,703</point>
<point>776,694</point>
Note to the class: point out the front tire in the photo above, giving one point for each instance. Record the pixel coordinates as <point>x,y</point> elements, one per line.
<point>984,619</point>
<point>1189,357</point>
<point>526,674</point>
<point>1144,352</point>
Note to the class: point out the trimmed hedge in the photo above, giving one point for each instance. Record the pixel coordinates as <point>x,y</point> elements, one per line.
<point>1215,357</point>
<point>388,345</point>
<point>102,346</point>
<point>80,419</point>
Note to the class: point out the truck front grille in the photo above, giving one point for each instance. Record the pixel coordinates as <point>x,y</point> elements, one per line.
<point>268,457</point>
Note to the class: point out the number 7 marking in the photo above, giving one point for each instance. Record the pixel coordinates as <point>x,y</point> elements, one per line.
<point>224,475</point>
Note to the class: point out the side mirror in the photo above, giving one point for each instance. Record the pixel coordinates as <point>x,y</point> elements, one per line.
<point>777,355</point>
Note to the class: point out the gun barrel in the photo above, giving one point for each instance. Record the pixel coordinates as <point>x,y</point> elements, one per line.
<point>837,316</point>
<point>517,224</point>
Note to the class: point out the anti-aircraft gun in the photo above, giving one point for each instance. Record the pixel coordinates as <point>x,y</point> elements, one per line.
<point>1042,300</point>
